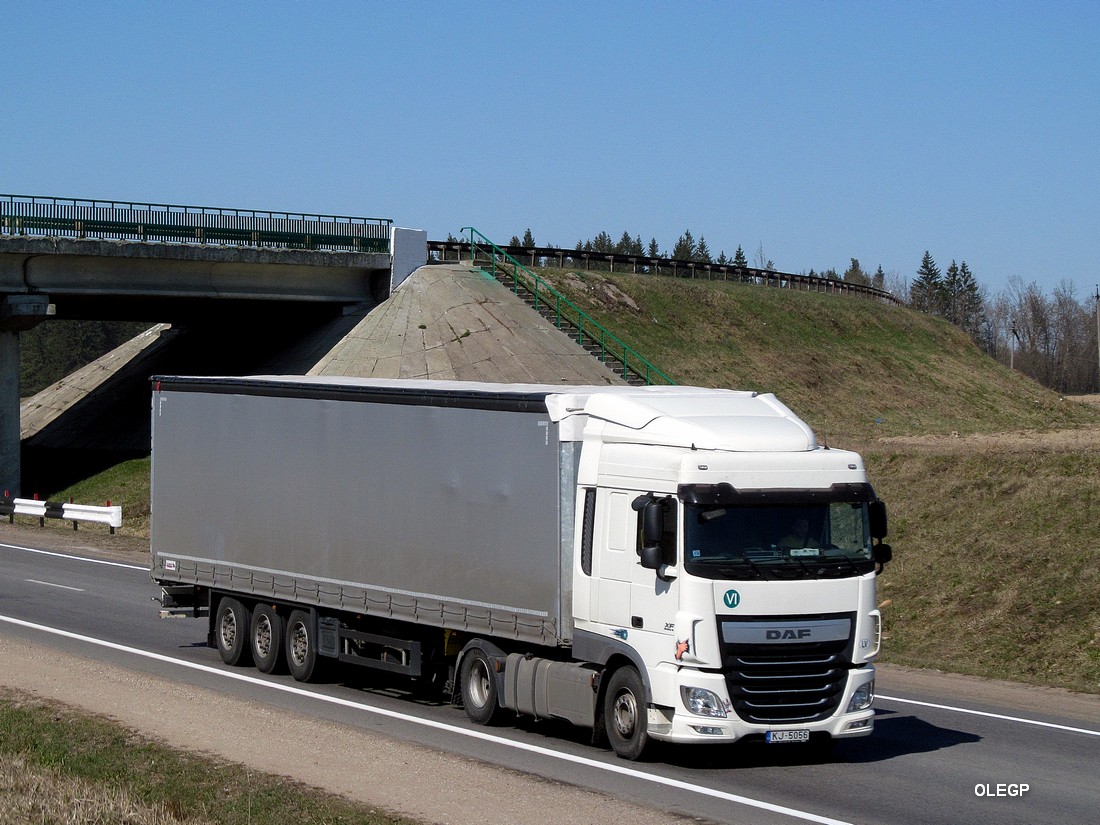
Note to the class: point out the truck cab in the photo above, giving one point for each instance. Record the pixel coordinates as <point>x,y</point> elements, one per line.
<point>730,561</point>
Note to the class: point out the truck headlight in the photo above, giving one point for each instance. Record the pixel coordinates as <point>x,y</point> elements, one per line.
<point>702,702</point>
<point>863,698</point>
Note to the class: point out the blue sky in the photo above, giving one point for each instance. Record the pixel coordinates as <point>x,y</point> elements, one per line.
<point>815,131</point>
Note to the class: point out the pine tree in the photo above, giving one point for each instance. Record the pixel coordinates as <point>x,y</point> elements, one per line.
<point>528,238</point>
<point>603,243</point>
<point>951,290</point>
<point>971,305</point>
<point>702,251</point>
<point>878,280</point>
<point>739,258</point>
<point>685,247</point>
<point>854,274</point>
<point>654,250</point>
<point>625,246</point>
<point>514,241</point>
<point>722,260</point>
<point>926,293</point>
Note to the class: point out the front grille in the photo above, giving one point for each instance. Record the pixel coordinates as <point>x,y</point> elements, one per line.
<point>769,689</point>
<point>785,683</point>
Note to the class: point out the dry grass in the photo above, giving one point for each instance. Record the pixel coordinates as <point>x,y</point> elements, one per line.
<point>997,570</point>
<point>32,794</point>
<point>60,765</point>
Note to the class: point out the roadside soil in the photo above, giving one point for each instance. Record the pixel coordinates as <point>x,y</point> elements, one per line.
<point>387,774</point>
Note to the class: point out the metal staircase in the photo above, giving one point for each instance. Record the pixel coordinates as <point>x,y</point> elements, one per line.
<point>562,313</point>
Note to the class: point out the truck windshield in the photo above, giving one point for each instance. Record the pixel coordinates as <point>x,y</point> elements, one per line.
<point>782,541</point>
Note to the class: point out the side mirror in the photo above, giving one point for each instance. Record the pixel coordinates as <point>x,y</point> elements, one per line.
<point>652,528</point>
<point>876,511</point>
<point>883,554</point>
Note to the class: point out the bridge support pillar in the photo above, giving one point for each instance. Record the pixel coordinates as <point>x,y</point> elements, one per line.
<point>17,313</point>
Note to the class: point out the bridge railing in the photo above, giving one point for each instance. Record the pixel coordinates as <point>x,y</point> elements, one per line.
<point>168,223</point>
<point>566,315</point>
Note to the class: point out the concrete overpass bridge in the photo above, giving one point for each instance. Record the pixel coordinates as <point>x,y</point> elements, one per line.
<point>238,285</point>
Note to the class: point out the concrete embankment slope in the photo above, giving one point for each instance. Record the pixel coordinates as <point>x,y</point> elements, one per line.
<point>451,322</point>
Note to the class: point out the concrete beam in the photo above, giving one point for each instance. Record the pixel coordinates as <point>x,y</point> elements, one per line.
<point>75,266</point>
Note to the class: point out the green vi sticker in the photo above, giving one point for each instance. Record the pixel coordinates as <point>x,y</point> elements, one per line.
<point>732,598</point>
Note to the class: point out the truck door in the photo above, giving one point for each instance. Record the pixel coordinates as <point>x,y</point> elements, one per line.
<point>655,595</point>
<point>615,557</point>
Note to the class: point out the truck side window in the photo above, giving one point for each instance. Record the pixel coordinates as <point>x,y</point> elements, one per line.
<point>587,529</point>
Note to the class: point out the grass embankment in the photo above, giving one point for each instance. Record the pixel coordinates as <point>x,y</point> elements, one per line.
<point>851,367</point>
<point>61,766</point>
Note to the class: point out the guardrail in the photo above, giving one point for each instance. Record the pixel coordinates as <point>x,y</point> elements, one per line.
<point>674,267</point>
<point>73,217</point>
<point>66,511</point>
<point>588,332</point>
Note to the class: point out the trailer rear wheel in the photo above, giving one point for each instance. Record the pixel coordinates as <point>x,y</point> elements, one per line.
<point>301,645</point>
<point>479,687</point>
<point>268,630</point>
<point>625,715</point>
<point>231,632</point>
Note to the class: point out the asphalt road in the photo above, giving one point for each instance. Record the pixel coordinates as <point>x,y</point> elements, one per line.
<point>971,756</point>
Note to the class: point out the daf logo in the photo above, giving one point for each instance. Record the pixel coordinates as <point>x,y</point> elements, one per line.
<point>785,635</point>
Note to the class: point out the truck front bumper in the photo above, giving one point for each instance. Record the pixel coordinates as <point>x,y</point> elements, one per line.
<point>675,723</point>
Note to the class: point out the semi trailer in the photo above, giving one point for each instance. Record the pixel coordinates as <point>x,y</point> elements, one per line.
<point>659,563</point>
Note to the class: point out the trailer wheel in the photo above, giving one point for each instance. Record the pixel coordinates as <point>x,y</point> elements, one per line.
<point>268,630</point>
<point>625,716</point>
<point>479,687</point>
<point>301,646</point>
<point>231,632</point>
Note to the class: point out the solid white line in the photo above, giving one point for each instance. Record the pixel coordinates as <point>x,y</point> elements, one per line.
<point>622,770</point>
<point>1002,717</point>
<point>75,558</point>
<point>51,584</point>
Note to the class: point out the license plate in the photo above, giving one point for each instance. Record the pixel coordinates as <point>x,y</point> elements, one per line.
<point>776,736</point>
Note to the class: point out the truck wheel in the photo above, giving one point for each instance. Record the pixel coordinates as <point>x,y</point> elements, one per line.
<point>301,646</point>
<point>479,687</point>
<point>231,632</point>
<point>624,711</point>
<point>268,630</point>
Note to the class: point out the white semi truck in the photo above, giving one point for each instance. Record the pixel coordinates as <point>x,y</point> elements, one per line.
<point>659,563</point>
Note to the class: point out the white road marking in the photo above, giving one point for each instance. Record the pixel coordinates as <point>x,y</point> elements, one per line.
<point>1002,717</point>
<point>51,584</point>
<point>75,558</point>
<point>622,770</point>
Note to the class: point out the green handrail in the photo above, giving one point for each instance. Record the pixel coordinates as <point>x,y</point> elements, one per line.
<point>566,313</point>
